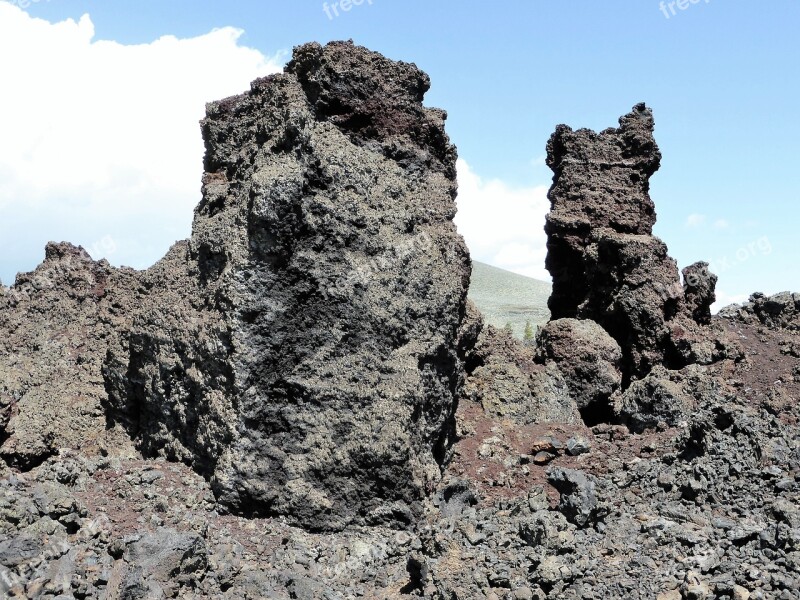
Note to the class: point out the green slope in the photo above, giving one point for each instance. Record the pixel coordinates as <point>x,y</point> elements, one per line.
<point>506,297</point>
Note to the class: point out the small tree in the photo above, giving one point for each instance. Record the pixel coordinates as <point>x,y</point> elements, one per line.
<point>529,336</point>
<point>508,328</point>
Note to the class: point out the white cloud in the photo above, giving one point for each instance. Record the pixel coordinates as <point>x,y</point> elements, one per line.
<point>695,220</point>
<point>102,139</point>
<point>102,147</point>
<point>724,299</point>
<point>722,224</point>
<point>503,225</point>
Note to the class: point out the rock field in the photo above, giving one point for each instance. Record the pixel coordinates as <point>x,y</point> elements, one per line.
<point>300,402</point>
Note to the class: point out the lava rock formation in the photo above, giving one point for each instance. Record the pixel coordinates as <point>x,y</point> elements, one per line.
<point>606,264</point>
<point>306,362</point>
<point>299,401</point>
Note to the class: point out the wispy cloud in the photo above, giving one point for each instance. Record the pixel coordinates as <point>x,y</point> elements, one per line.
<point>722,224</point>
<point>695,220</point>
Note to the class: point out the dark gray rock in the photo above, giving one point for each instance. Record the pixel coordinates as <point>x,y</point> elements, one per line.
<point>164,561</point>
<point>606,264</point>
<point>699,284</point>
<point>19,549</point>
<point>578,500</point>
<point>302,349</point>
<point>578,445</point>
<point>54,500</point>
<point>780,311</point>
<point>504,378</point>
<point>545,529</point>
<point>664,396</point>
<point>586,355</point>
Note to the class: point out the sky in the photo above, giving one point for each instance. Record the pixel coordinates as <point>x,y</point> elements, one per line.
<point>101,100</point>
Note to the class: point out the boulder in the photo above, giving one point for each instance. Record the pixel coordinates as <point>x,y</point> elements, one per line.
<point>159,564</point>
<point>578,502</point>
<point>586,355</point>
<point>505,379</point>
<point>666,397</point>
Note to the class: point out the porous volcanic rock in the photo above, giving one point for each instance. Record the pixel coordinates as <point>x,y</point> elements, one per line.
<point>699,284</point>
<point>601,181</point>
<point>779,311</point>
<point>664,397</point>
<point>606,264</point>
<point>505,379</point>
<point>301,348</point>
<point>56,326</point>
<point>587,356</point>
<point>297,361</point>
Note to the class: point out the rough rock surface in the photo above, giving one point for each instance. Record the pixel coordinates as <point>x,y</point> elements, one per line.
<point>663,398</point>
<point>56,326</point>
<point>302,347</point>
<point>274,400</point>
<point>781,311</point>
<point>606,264</point>
<point>587,356</point>
<point>505,380</point>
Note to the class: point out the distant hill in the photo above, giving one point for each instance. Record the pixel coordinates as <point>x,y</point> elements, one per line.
<point>506,297</point>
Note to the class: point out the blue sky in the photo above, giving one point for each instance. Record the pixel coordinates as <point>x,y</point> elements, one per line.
<point>722,78</point>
